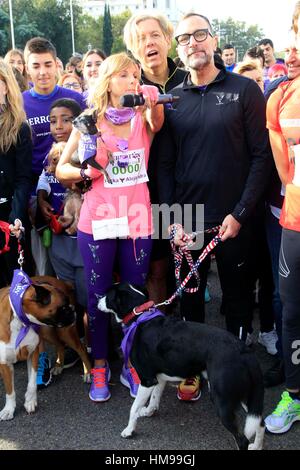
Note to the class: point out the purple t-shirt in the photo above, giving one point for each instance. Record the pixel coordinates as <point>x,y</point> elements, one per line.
<point>37,108</point>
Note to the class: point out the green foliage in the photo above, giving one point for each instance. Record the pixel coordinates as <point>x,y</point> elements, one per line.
<point>47,18</point>
<point>118,23</point>
<point>107,31</point>
<point>51,19</point>
<point>242,37</point>
<point>4,32</point>
<point>89,33</point>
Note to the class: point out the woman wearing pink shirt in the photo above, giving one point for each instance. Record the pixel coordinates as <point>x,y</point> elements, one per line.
<point>115,220</point>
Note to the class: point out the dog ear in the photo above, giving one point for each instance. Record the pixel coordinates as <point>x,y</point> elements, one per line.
<point>43,296</point>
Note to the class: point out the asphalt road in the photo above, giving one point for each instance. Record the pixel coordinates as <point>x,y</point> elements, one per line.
<point>67,419</point>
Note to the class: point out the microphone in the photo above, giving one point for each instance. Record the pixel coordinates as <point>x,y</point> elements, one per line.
<point>131,100</point>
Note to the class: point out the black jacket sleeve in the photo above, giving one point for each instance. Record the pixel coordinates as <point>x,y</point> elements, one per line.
<point>166,167</point>
<point>23,174</point>
<point>257,138</point>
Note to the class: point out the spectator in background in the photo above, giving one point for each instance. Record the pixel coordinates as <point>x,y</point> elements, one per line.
<point>267,46</point>
<point>22,82</point>
<point>251,70</point>
<point>15,57</point>
<point>255,54</point>
<point>70,81</point>
<point>15,167</point>
<point>90,66</point>
<point>75,65</point>
<point>228,56</point>
<point>277,71</point>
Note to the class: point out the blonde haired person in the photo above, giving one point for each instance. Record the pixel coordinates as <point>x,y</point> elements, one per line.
<point>115,219</point>
<point>251,69</point>
<point>15,165</point>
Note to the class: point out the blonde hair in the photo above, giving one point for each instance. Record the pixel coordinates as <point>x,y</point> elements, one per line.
<point>13,114</point>
<point>130,36</point>
<point>247,66</point>
<point>99,95</point>
<point>296,14</point>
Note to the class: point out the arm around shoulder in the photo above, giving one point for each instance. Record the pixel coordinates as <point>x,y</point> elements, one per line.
<point>65,172</point>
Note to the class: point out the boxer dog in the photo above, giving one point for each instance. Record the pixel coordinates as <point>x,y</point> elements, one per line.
<point>29,308</point>
<point>165,349</point>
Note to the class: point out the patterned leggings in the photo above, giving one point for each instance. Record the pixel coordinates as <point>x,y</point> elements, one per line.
<point>133,257</point>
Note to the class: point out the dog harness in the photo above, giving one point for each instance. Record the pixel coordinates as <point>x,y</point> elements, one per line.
<point>20,284</point>
<point>129,331</point>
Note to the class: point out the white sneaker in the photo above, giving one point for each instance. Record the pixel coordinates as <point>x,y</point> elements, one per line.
<point>269,340</point>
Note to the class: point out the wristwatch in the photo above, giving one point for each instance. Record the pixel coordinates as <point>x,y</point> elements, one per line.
<point>83,175</point>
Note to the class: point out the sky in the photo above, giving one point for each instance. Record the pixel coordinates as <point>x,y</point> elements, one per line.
<point>273,17</point>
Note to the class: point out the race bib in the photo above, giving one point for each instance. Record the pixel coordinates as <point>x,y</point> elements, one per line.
<point>128,169</point>
<point>110,228</point>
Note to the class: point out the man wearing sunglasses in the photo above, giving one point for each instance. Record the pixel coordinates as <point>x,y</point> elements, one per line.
<point>214,150</point>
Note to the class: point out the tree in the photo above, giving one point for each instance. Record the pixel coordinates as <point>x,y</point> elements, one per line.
<point>4,32</point>
<point>47,18</point>
<point>89,32</point>
<point>25,30</point>
<point>107,31</point>
<point>242,37</point>
<point>118,22</point>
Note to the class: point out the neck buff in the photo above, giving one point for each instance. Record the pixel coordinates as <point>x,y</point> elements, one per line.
<point>119,116</point>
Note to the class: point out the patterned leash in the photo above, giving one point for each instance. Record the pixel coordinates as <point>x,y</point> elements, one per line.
<point>180,253</point>
<point>5,227</point>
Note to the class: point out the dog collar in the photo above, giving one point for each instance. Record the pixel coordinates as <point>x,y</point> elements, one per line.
<point>137,311</point>
<point>19,285</point>
<point>142,317</point>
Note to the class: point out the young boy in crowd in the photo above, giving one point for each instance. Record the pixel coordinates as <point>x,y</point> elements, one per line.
<point>40,58</point>
<point>63,251</point>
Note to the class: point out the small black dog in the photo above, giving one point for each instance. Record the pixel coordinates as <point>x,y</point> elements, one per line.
<point>86,124</point>
<point>168,349</point>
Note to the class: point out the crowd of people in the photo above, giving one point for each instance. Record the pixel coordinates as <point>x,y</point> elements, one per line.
<point>230,143</point>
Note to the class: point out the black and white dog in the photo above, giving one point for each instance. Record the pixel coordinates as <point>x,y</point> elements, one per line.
<point>168,349</point>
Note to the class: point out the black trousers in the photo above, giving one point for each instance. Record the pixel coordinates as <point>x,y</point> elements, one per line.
<point>289,288</point>
<point>232,257</point>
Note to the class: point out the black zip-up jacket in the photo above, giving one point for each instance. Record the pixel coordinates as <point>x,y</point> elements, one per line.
<point>176,76</point>
<point>15,177</point>
<point>214,148</point>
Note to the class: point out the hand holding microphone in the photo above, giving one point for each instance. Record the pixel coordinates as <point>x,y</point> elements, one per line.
<point>146,94</point>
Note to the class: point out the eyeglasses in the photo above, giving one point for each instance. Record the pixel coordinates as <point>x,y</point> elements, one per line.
<point>199,35</point>
<point>72,85</point>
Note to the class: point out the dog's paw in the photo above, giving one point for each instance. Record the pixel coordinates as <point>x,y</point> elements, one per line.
<point>30,405</point>
<point>127,432</point>
<point>87,379</point>
<point>7,413</point>
<point>57,369</point>
<point>147,412</point>
<point>254,447</point>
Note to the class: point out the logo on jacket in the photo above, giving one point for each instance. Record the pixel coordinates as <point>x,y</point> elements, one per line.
<point>224,98</point>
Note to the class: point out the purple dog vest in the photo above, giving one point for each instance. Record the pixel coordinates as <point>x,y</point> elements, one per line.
<point>129,331</point>
<point>19,285</point>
